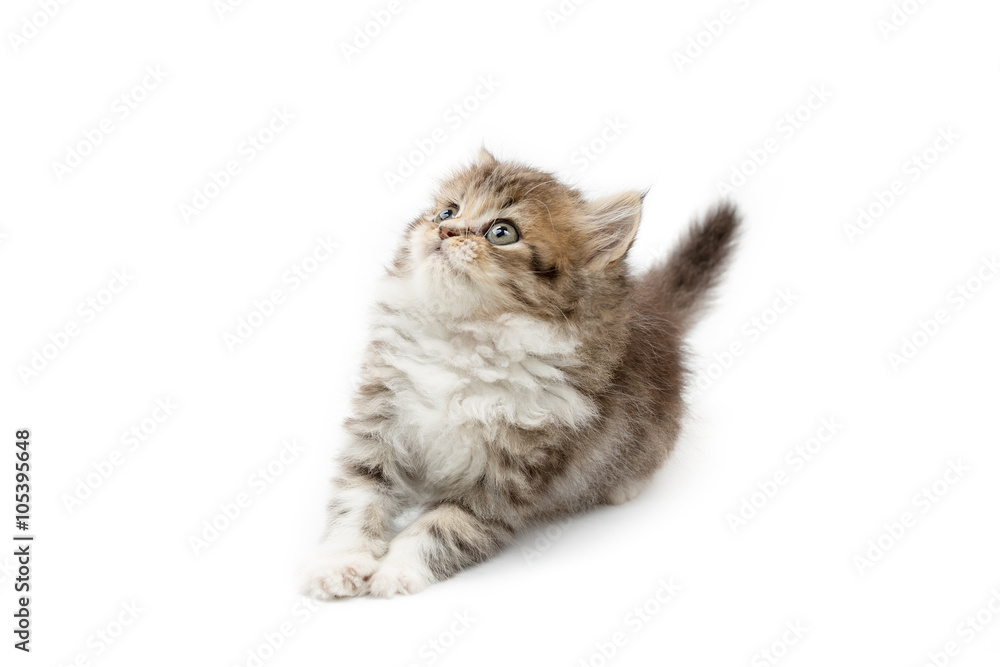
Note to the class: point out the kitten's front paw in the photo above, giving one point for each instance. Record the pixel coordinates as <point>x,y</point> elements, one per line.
<point>327,575</point>
<point>398,578</point>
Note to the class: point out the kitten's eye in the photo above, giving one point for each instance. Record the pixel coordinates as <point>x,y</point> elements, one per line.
<point>502,233</point>
<point>445,214</point>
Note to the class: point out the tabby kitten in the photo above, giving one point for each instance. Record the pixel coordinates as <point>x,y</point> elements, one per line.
<point>517,373</point>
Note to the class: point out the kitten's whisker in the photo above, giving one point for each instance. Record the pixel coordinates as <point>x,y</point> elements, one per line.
<point>551,224</point>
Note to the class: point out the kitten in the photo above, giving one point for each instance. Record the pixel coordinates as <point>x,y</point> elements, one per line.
<point>517,373</point>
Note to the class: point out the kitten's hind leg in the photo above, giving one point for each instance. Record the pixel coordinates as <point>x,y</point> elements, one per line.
<point>625,491</point>
<point>447,537</point>
<point>363,502</point>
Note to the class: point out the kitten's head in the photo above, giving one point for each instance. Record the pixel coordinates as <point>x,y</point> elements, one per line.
<point>502,237</point>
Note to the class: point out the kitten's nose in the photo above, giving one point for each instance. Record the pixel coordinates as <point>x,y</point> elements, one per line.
<point>446,232</point>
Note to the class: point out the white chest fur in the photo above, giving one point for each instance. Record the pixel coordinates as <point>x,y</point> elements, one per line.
<point>458,386</point>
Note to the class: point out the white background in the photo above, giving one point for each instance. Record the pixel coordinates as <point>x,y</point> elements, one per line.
<point>684,128</point>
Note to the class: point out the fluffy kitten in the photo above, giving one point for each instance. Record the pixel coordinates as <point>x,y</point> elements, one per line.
<point>517,373</point>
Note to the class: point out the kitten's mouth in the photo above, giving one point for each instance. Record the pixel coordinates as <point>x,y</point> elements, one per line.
<point>437,253</point>
<point>454,259</point>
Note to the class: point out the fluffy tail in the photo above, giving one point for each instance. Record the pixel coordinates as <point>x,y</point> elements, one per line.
<point>679,286</point>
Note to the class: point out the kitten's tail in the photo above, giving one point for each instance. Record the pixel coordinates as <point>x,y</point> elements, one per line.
<point>679,286</point>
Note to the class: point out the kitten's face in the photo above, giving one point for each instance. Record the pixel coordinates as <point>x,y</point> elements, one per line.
<point>502,237</point>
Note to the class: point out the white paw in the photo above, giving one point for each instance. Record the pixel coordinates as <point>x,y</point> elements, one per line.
<point>330,574</point>
<point>626,493</point>
<point>398,577</point>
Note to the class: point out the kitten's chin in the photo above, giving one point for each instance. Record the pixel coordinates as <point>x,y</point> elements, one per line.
<point>449,289</point>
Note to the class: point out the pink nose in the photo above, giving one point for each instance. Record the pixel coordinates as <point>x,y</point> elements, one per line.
<point>447,232</point>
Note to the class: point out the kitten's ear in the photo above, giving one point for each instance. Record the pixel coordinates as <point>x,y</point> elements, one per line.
<point>485,158</point>
<point>614,222</point>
